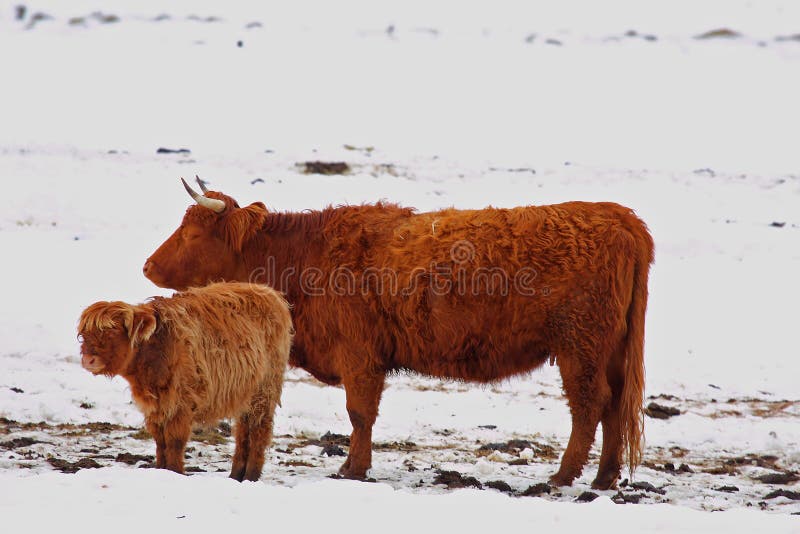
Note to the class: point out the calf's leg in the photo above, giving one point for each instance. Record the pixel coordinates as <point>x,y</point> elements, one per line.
<point>242,449</point>
<point>157,431</point>
<point>363,391</point>
<point>176,434</point>
<point>253,436</point>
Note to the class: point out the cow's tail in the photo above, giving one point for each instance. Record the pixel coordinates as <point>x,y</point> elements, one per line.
<point>631,411</point>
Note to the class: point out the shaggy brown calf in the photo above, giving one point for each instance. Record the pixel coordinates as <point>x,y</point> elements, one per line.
<point>201,355</point>
<point>476,295</point>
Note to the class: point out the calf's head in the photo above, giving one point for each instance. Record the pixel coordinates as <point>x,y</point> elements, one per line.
<point>109,333</point>
<point>207,246</point>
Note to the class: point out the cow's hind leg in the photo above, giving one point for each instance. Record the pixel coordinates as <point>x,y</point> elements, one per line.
<point>587,393</point>
<point>363,393</point>
<point>611,457</point>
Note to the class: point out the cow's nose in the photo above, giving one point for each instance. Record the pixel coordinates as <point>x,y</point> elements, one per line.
<point>148,268</point>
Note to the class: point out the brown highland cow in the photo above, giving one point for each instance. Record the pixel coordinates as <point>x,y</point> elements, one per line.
<point>474,295</point>
<point>201,355</point>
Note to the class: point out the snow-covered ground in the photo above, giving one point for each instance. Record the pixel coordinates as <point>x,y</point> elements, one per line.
<point>506,103</point>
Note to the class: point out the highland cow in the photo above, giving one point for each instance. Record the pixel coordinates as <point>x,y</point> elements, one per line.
<point>199,356</point>
<point>474,295</point>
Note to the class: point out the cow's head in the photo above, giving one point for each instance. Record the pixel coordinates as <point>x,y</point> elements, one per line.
<point>207,246</point>
<point>109,333</point>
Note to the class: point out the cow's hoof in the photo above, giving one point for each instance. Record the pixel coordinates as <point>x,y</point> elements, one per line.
<point>605,482</point>
<point>346,471</point>
<point>560,480</point>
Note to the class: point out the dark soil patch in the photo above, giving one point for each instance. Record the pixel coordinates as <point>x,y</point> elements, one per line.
<point>657,411</point>
<point>627,498</point>
<point>404,446</point>
<point>73,467</point>
<point>297,463</point>
<point>133,459</point>
<point>793,495</point>
<point>722,470</point>
<point>212,436</point>
<point>332,450</point>
<point>720,33</point>
<point>587,496</point>
<point>17,443</point>
<point>454,479</point>
<point>515,446</point>
<point>224,429</point>
<point>766,461</point>
<point>325,167</point>
<point>727,489</point>
<point>163,150</point>
<point>193,469</point>
<point>646,486</point>
<point>332,439</point>
<point>499,485</point>
<point>537,489</point>
<point>668,467</point>
<point>778,478</point>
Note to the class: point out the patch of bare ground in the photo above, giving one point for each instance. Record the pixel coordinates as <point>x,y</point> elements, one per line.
<point>440,460</point>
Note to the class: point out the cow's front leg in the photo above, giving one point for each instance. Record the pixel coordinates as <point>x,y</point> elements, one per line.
<point>363,391</point>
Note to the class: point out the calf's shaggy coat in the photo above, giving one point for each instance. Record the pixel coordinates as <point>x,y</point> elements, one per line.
<point>201,355</point>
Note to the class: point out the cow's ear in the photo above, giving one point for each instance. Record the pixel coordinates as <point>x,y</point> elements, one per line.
<point>242,224</point>
<point>140,324</point>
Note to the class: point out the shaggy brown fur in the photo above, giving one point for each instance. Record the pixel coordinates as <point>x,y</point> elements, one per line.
<point>440,310</point>
<point>201,355</point>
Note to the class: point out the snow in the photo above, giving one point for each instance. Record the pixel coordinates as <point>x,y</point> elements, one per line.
<point>452,106</point>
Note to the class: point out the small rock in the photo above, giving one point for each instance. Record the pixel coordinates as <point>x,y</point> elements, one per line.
<point>727,489</point>
<point>776,224</point>
<point>163,150</point>
<point>16,390</point>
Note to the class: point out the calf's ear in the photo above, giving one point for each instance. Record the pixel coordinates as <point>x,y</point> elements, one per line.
<point>140,324</point>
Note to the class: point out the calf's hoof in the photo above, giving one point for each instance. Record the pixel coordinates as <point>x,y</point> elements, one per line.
<point>237,476</point>
<point>252,476</point>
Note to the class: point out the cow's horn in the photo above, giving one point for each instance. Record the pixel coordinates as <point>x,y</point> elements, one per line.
<point>202,184</point>
<point>210,203</point>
